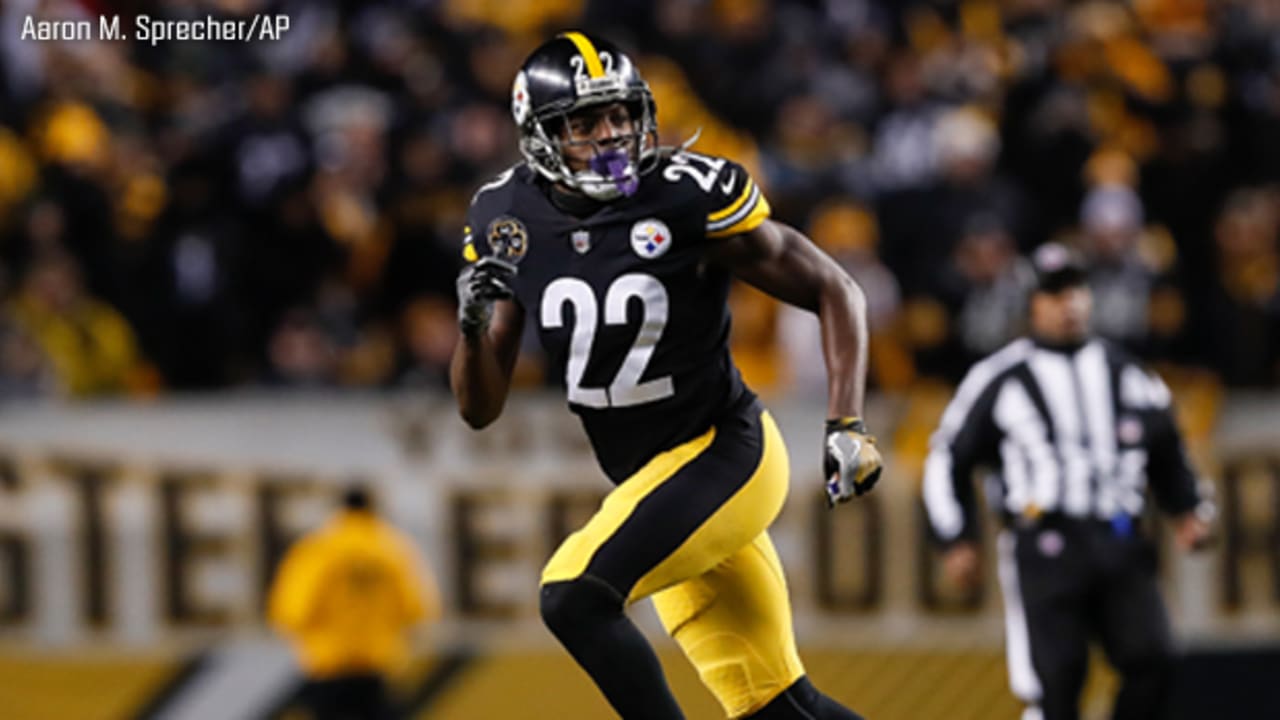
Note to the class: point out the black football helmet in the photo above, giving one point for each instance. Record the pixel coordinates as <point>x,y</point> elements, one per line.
<point>564,75</point>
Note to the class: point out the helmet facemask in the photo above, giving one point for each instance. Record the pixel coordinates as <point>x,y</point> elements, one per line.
<point>616,164</point>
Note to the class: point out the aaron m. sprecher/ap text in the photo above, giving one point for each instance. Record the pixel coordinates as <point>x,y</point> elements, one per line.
<point>250,28</point>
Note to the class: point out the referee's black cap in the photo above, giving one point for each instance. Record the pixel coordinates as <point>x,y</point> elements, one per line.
<point>1057,267</point>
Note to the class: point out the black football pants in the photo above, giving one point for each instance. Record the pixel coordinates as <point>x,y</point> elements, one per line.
<point>1067,582</point>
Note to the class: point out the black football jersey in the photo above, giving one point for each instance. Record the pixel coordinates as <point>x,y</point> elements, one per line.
<point>629,313</point>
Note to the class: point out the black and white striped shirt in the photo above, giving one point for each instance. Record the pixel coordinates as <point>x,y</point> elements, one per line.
<point>1080,432</point>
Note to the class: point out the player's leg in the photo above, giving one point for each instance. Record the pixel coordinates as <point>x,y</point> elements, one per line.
<point>734,624</point>
<point>1136,636</point>
<point>586,616</point>
<point>803,701</point>
<point>1046,634</point>
<point>677,517</point>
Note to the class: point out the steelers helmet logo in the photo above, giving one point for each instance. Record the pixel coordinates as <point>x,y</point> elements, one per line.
<point>508,240</point>
<point>650,238</point>
<point>520,105</point>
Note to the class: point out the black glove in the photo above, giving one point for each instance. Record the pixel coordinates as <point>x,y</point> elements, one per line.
<point>481,284</point>
<point>850,461</point>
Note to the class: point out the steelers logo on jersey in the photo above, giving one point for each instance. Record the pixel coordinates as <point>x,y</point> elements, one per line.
<point>508,240</point>
<point>650,238</point>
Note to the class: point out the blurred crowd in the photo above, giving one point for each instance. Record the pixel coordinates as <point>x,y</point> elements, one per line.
<point>191,216</point>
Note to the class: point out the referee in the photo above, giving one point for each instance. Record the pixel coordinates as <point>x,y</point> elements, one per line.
<point>1074,432</point>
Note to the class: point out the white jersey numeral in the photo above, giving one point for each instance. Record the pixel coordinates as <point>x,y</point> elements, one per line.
<point>626,389</point>
<point>701,168</point>
<point>578,294</point>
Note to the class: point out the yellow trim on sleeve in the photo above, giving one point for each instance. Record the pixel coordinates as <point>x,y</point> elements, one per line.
<point>588,51</point>
<point>758,215</point>
<point>735,206</point>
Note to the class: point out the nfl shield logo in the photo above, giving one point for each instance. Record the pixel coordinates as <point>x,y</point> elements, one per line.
<point>581,240</point>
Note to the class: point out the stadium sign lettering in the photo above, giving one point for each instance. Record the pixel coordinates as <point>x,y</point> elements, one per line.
<point>119,547</point>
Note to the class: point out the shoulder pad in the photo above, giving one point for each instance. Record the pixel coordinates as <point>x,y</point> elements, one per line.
<point>498,182</point>
<point>492,201</point>
<point>733,202</point>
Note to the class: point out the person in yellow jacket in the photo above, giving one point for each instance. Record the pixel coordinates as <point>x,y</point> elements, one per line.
<point>88,344</point>
<point>346,596</point>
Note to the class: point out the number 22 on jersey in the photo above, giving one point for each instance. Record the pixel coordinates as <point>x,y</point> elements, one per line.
<point>626,388</point>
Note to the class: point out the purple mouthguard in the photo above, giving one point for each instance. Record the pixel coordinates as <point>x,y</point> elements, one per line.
<point>613,164</point>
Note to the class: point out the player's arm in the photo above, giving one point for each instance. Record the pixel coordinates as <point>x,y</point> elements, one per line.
<point>782,262</point>
<point>787,265</point>
<point>480,373</point>
<point>491,325</point>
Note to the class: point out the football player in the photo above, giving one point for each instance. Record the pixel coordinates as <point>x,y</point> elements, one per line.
<point>621,253</point>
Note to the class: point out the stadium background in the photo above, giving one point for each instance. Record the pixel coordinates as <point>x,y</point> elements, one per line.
<point>227,283</point>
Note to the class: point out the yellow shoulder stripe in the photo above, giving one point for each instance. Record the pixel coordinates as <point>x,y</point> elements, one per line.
<point>759,213</point>
<point>735,206</point>
<point>588,51</point>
